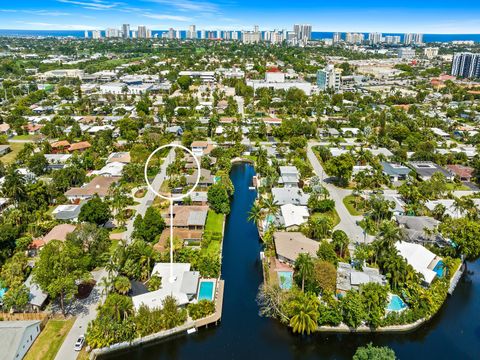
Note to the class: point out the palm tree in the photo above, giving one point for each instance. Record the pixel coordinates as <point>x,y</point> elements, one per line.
<point>305,315</point>
<point>319,227</point>
<point>122,285</point>
<point>271,205</point>
<point>304,266</point>
<point>255,213</point>
<point>14,186</point>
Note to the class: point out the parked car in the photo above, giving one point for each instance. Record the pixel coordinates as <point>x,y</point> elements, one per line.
<point>79,344</point>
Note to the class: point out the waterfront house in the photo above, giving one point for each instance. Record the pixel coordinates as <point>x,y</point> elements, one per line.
<point>288,245</point>
<point>421,259</point>
<point>291,195</point>
<point>206,178</point>
<point>349,278</point>
<point>292,216</point>
<point>190,217</point>
<point>289,176</point>
<point>183,286</point>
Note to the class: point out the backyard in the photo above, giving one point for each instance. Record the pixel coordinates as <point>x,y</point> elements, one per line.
<point>10,157</point>
<point>213,232</point>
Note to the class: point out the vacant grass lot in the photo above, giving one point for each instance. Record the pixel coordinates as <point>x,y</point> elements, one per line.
<point>50,339</point>
<point>214,225</point>
<point>10,157</point>
<point>349,202</point>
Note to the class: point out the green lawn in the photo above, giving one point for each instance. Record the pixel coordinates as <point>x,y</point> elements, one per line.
<point>457,187</point>
<point>50,339</point>
<point>23,137</point>
<point>349,202</point>
<point>10,157</point>
<point>214,225</point>
<point>214,222</point>
<point>333,215</point>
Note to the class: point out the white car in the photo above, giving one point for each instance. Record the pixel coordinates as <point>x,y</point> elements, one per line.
<point>79,344</point>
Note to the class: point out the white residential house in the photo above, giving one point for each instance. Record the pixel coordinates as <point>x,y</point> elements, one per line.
<point>16,338</point>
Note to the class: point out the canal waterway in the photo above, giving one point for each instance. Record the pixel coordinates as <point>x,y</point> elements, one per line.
<point>454,333</point>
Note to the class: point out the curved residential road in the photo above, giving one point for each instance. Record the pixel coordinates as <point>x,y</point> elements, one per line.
<point>348,223</point>
<point>147,200</point>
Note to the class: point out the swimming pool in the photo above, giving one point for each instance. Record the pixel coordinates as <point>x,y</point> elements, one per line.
<point>396,303</point>
<point>206,290</point>
<point>285,279</point>
<point>440,269</point>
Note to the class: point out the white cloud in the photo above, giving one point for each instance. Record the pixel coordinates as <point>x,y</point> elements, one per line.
<point>187,5</point>
<point>167,17</point>
<point>92,4</point>
<point>53,26</point>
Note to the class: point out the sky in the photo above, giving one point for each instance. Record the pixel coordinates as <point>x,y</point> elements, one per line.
<point>425,16</point>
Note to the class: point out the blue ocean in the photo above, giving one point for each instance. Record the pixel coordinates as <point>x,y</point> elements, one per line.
<point>429,38</point>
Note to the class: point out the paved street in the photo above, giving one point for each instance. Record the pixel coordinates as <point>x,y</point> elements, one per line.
<point>147,200</point>
<point>85,310</point>
<point>347,221</point>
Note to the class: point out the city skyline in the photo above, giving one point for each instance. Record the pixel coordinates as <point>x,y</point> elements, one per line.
<point>430,17</point>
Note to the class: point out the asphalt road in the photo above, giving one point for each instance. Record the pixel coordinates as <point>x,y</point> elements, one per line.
<point>85,310</point>
<point>348,223</point>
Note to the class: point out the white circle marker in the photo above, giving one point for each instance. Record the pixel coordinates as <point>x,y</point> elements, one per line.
<point>182,196</point>
<point>171,198</point>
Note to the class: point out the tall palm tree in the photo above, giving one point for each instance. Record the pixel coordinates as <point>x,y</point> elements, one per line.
<point>305,315</point>
<point>271,205</point>
<point>255,213</point>
<point>305,266</point>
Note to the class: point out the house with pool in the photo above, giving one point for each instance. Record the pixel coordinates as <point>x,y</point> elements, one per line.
<point>422,260</point>
<point>179,281</point>
<point>349,278</point>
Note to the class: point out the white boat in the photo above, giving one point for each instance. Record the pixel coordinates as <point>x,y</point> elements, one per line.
<point>191,331</point>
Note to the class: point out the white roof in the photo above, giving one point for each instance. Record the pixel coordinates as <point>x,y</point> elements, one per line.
<point>111,169</point>
<point>449,206</point>
<point>419,257</point>
<point>439,132</point>
<point>154,299</point>
<point>294,215</point>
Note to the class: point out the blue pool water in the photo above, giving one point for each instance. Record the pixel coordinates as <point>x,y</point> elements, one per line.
<point>285,279</point>
<point>396,304</point>
<point>2,292</point>
<point>439,269</point>
<point>206,291</point>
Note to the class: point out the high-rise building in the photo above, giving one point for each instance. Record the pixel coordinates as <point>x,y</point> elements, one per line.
<point>375,38</point>
<point>413,39</point>
<point>112,33</point>
<point>303,32</point>
<point>252,37</point>
<point>203,34</point>
<point>354,38</point>
<point>466,65</point>
<point>329,78</point>
<point>192,32</point>
<point>171,33</point>
<point>126,31</point>
<point>86,34</point>
<point>337,37</point>
<point>392,39</point>
<point>234,35</point>
<point>142,32</point>
<point>96,34</point>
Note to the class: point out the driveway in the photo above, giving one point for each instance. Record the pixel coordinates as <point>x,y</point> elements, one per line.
<point>85,310</point>
<point>348,223</point>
